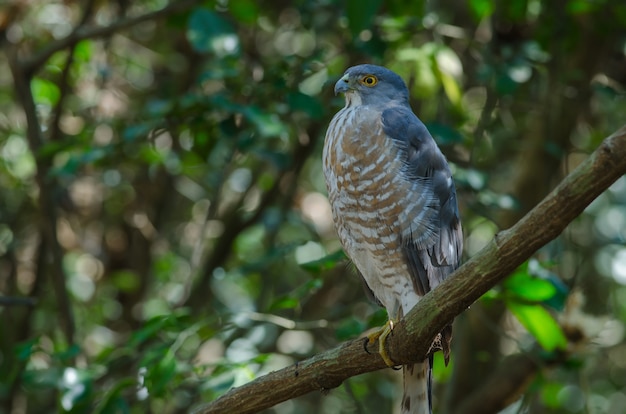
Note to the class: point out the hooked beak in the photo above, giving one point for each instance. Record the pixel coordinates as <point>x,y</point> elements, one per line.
<point>343,85</point>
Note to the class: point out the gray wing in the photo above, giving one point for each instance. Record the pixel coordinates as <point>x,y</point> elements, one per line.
<point>430,261</point>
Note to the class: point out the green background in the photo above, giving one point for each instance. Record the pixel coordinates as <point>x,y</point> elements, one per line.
<point>163,217</point>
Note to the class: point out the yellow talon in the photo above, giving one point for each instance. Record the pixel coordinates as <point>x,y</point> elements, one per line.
<point>382,335</point>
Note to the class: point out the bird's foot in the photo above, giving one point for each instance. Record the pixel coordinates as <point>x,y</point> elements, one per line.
<point>381,335</point>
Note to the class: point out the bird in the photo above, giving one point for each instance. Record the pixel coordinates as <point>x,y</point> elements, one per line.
<point>394,207</point>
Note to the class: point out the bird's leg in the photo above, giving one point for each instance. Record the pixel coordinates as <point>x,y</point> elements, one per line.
<point>382,335</point>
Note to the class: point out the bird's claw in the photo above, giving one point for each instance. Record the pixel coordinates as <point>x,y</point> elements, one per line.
<point>381,335</point>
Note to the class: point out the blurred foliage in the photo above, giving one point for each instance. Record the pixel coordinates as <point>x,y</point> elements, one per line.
<point>170,173</point>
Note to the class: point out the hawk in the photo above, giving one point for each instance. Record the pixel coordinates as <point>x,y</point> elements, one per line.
<point>394,206</point>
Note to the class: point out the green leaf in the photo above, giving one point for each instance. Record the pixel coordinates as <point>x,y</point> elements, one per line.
<point>361,14</point>
<point>159,107</point>
<point>267,125</point>
<point>309,105</point>
<point>68,354</point>
<point>540,324</point>
<point>113,402</point>
<point>325,263</point>
<point>505,85</point>
<point>448,66</point>
<point>209,32</point>
<point>221,379</point>
<point>482,8</point>
<point>444,134</point>
<point>309,287</point>
<point>349,328</point>
<point>421,64</point>
<point>294,298</point>
<point>285,302</point>
<point>138,131</point>
<point>278,159</point>
<point>150,329</point>
<point>451,88</point>
<point>315,83</point>
<point>577,7</point>
<point>532,282</point>
<point>152,156</point>
<point>44,91</point>
<point>490,296</point>
<point>42,379</point>
<point>378,318</point>
<point>126,281</point>
<point>557,301</point>
<point>159,376</point>
<point>24,350</point>
<point>530,288</point>
<point>224,102</point>
<point>550,394</point>
<point>83,51</point>
<point>78,160</point>
<point>245,11</point>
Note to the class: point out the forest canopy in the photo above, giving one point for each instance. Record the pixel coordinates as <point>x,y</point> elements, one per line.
<point>165,233</point>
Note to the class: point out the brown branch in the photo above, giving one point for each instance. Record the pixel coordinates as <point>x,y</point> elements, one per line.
<point>22,329</point>
<point>36,61</point>
<point>17,301</point>
<point>321,372</point>
<point>46,198</point>
<point>413,335</point>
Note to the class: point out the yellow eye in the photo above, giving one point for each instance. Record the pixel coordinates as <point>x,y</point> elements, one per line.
<point>369,80</point>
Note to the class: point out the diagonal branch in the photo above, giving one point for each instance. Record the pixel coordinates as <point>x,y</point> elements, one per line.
<point>35,62</point>
<point>413,335</point>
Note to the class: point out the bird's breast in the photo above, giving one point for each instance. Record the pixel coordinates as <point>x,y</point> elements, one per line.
<point>363,174</point>
<point>358,156</point>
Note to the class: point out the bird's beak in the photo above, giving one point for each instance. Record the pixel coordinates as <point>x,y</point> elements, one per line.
<point>343,85</point>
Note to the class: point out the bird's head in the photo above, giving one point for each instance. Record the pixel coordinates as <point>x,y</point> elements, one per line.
<point>371,85</point>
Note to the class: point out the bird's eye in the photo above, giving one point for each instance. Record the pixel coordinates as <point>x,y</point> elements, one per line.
<point>369,80</point>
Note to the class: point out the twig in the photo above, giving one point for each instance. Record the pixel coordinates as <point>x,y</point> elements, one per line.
<point>35,62</point>
<point>46,199</point>
<point>412,336</point>
<point>483,122</point>
<point>16,301</point>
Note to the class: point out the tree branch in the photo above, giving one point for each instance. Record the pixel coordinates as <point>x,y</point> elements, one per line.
<point>17,301</point>
<point>35,62</point>
<point>412,337</point>
<point>46,198</point>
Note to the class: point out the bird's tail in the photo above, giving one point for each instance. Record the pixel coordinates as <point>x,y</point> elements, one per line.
<point>417,398</point>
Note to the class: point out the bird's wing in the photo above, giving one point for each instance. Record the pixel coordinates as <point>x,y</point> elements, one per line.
<point>432,254</point>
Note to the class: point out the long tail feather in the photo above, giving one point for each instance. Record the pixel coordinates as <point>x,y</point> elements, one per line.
<point>417,398</point>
